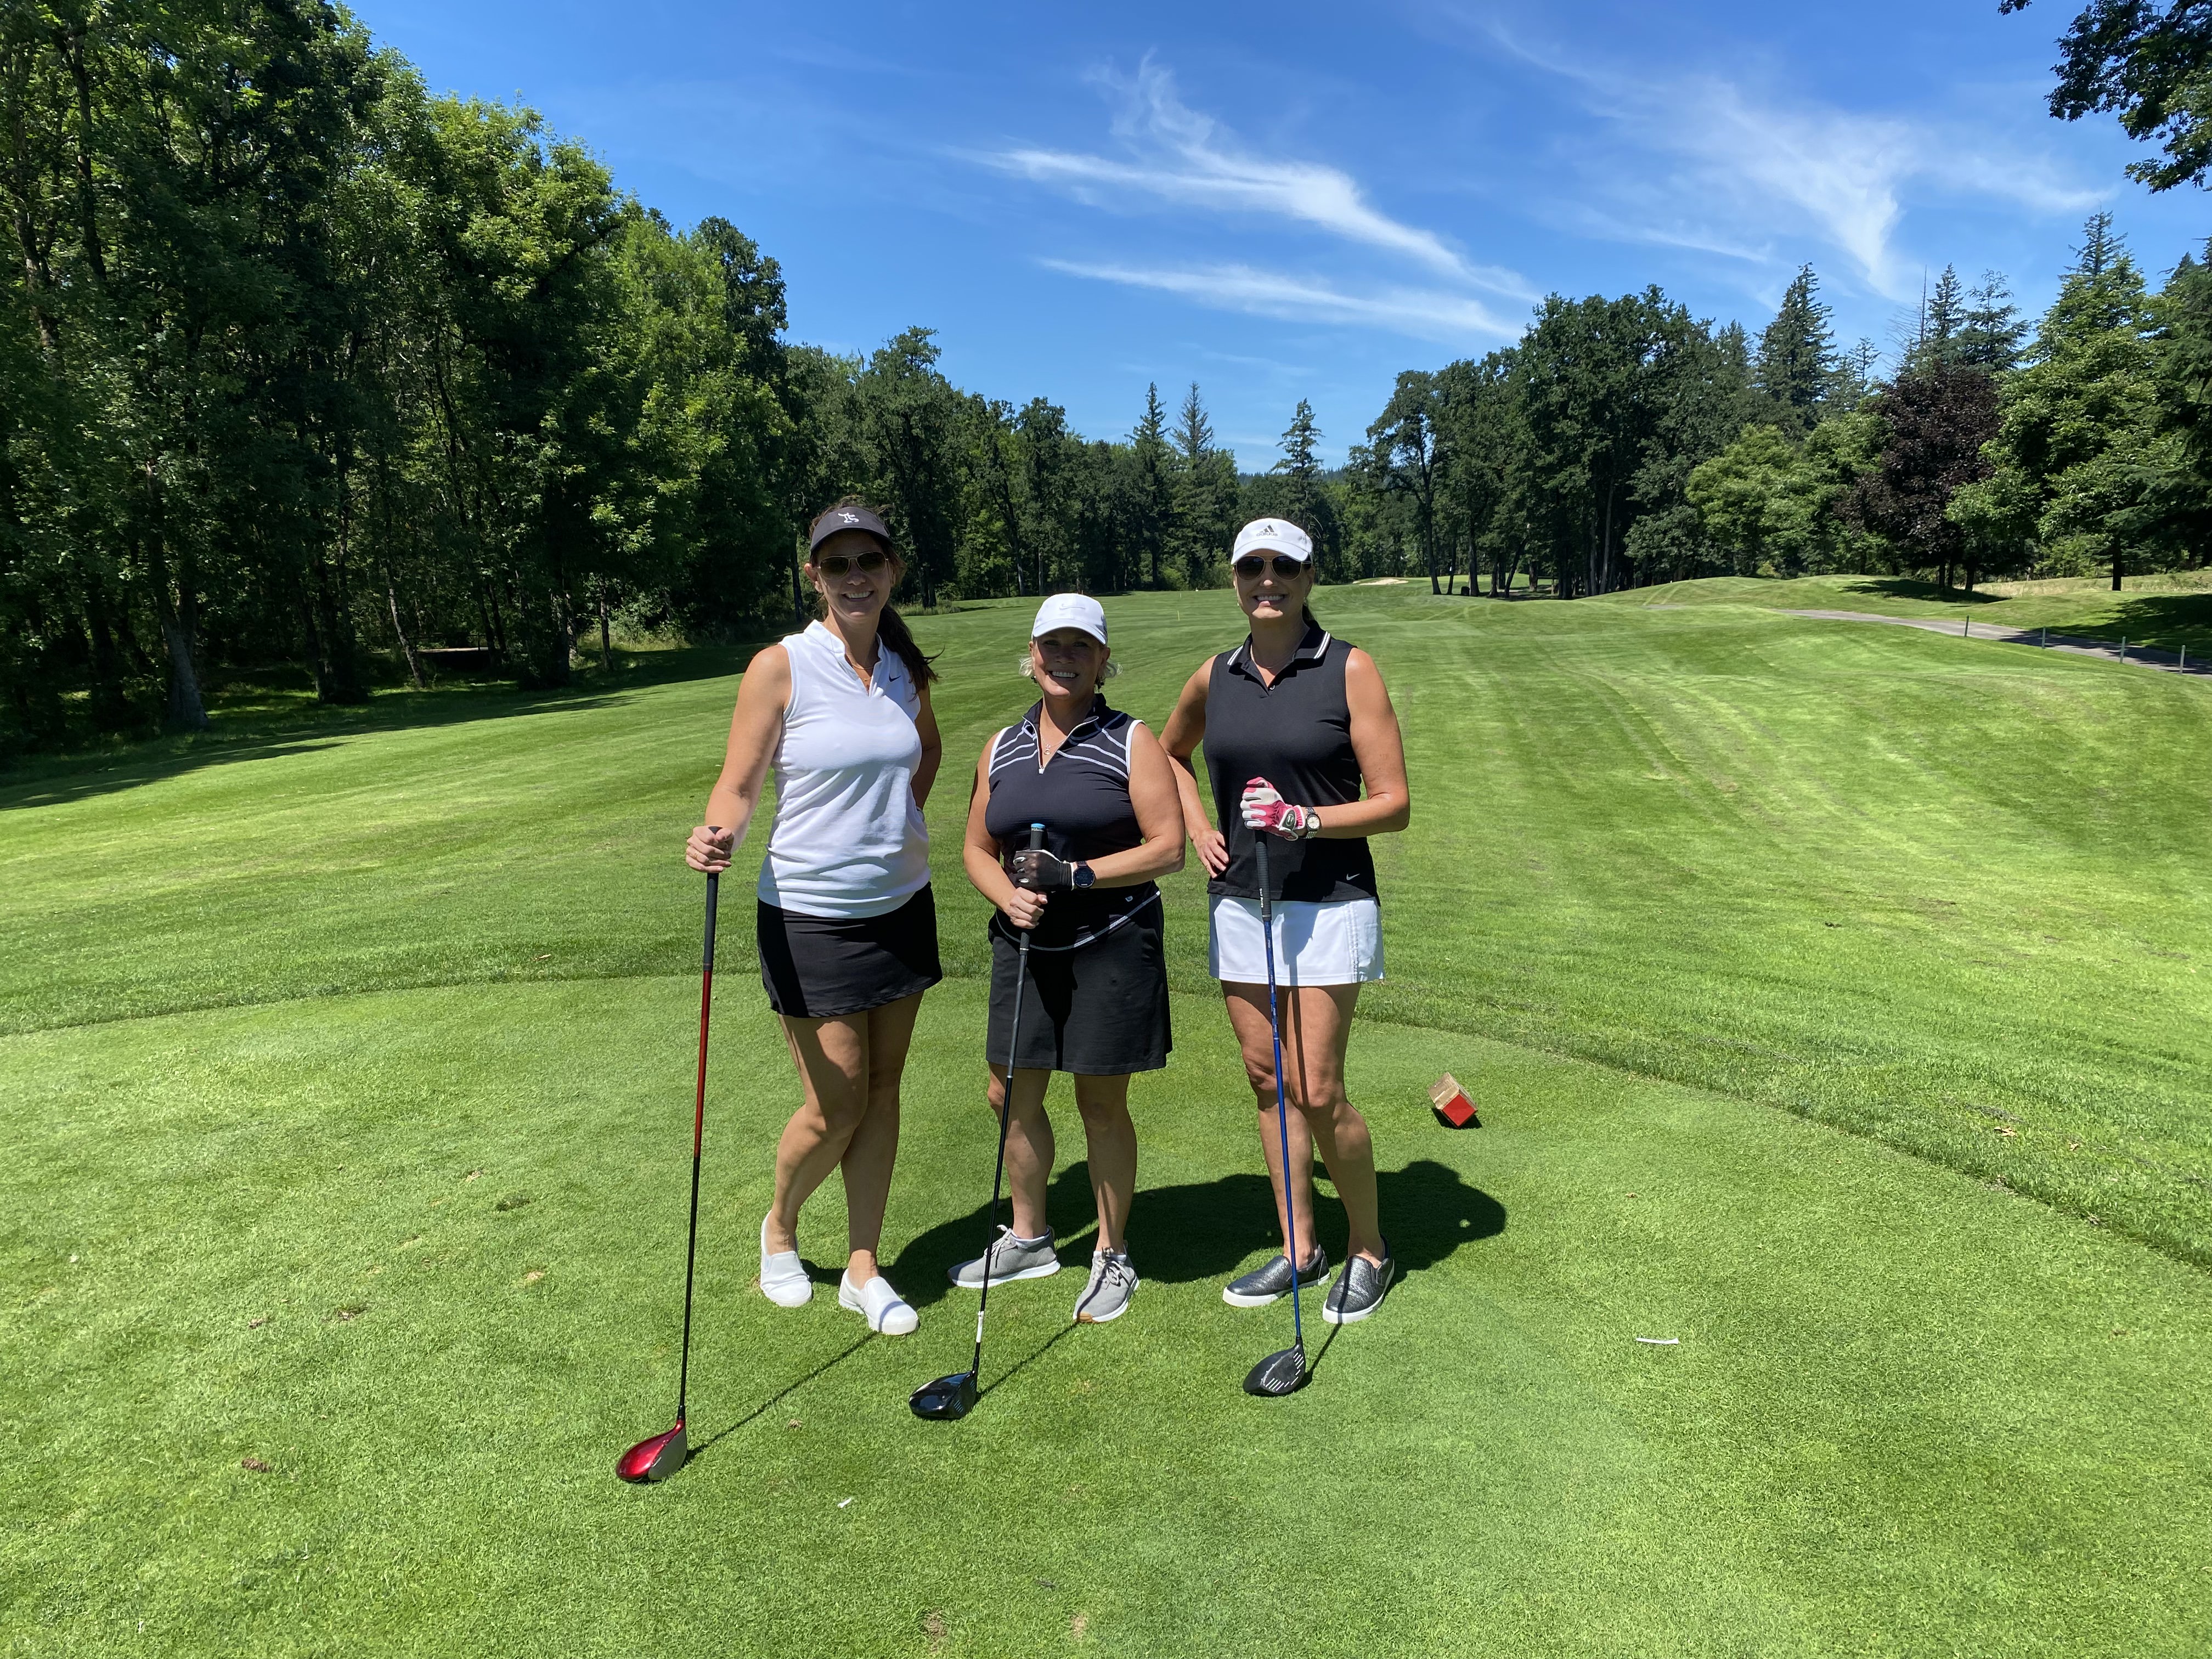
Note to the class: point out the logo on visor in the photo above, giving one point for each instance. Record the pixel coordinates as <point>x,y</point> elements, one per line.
<point>850,517</point>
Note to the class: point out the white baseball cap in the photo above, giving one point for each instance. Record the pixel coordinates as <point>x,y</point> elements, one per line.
<point>1071,610</point>
<point>1273,535</point>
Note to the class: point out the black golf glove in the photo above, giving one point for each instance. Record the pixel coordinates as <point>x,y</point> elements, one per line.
<point>1040,871</point>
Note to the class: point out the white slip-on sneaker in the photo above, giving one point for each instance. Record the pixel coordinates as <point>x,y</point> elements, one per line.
<point>783,1278</point>
<point>879,1303</point>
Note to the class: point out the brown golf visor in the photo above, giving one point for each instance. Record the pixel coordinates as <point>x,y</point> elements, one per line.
<point>846,518</point>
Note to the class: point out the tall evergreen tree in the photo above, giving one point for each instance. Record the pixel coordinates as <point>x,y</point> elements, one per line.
<point>1796,366</point>
<point>1149,495</point>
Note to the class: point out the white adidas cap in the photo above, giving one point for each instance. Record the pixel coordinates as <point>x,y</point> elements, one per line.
<point>1273,535</point>
<point>1071,610</point>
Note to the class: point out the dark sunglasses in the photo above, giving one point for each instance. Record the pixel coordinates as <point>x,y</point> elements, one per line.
<point>1249,567</point>
<point>837,564</point>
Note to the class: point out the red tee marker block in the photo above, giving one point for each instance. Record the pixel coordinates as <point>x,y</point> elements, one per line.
<point>1451,1103</point>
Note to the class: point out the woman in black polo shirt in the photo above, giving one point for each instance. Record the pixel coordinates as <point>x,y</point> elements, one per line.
<point>1301,744</point>
<point>1095,1000</point>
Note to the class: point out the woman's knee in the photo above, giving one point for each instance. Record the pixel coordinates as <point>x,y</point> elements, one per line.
<point>1103,1110</point>
<point>842,1109</point>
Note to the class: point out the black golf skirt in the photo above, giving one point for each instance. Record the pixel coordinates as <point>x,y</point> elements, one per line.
<point>818,966</point>
<point>1098,1011</point>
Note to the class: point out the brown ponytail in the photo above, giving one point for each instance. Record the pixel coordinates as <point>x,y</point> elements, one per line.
<point>892,630</point>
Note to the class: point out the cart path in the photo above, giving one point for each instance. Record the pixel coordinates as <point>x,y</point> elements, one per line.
<point>2147,656</point>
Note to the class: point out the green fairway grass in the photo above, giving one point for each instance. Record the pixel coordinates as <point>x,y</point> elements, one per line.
<point>2169,612</point>
<point>1831,994</point>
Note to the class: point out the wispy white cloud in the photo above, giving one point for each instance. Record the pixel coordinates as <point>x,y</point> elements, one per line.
<point>1749,171</point>
<point>1424,313</point>
<point>1169,154</point>
<point>1176,155</point>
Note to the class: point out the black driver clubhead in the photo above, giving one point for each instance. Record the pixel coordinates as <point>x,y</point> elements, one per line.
<point>1281,1372</point>
<point>947,1399</point>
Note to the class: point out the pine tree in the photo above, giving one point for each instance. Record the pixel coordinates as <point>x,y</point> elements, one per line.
<point>1194,434</point>
<point>1152,503</point>
<point>1795,364</point>
<point>1990,329</point>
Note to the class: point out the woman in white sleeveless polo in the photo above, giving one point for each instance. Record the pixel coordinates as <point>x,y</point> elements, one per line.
<point>847,925</point>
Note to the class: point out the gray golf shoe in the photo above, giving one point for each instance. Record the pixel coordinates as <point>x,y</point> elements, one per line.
<point>1271,1281</point>
<point>1113,1282</point>
<point>1010,1258</point>
<point>1358,1290</point>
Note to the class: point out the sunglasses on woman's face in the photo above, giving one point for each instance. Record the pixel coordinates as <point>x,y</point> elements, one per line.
<point>836,564</point>
<point>1249,567</point>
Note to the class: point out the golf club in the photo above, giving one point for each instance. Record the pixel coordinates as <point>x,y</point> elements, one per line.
<point>1284,1370</point>
<point>664,1454</point>
<point>949,1398</point>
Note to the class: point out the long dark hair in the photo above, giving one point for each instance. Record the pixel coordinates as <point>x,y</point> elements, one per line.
<point>890,627</point>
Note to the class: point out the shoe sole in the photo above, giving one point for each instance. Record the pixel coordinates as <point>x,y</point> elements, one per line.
<point>1333,1316</point>
<point>1044,1272</point>
<point>1237,1299</point>
<point>1107,1319</point>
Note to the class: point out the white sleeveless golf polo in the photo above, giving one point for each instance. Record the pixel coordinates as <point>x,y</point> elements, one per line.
<point>847,839</point>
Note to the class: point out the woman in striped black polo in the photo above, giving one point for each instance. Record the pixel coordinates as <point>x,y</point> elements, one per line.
<point>1095,1003</point>
<point>1302,745</point>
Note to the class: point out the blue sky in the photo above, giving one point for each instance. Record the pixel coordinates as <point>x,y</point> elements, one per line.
<point>1286,201</point>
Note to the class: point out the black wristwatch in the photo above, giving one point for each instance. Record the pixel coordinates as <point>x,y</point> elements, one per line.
<point>1082,876</point>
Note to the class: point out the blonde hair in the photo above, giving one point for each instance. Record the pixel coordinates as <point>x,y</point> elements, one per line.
<point>1027,669</point>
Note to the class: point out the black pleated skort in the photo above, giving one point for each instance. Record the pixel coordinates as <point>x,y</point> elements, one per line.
<point>1098,1011</point>
<point>818,966</point>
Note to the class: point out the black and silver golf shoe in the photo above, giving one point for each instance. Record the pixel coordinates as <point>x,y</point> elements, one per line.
<point>1358,1290</point>
<point>1271,1281</point>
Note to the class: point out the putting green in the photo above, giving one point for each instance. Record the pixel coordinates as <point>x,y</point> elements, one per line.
<point>357,1080</point>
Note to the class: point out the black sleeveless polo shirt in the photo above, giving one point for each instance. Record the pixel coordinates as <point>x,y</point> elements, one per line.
<point>1081,796</point>
<point>1296,735</point>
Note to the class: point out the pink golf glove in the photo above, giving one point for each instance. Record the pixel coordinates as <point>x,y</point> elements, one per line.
<point>1266,809</point>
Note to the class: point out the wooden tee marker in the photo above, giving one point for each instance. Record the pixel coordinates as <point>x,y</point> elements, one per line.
<point>1451,1103</point>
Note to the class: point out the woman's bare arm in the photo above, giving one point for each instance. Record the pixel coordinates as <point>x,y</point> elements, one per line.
<point>755,727</point>
<point>1380,749</point>
<point>980,855</point>
<point>1159,817</point>
<point>932,750</point>
<point>1186,730</point>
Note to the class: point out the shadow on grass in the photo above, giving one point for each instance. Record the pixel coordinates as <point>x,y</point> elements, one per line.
<point>788,1390</point>
<point>1909,587</point>
<point>2155,618</point>
<point>259,721</point>
<point>1201,1230</point>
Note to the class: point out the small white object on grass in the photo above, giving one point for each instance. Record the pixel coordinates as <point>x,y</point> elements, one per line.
<point>1661,1341</point>
<point>842,1501</point>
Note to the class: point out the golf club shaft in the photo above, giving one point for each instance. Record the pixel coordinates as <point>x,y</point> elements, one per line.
<point>698,1137</point>
<point>1282,1106</point>
<point>1005,1120</point>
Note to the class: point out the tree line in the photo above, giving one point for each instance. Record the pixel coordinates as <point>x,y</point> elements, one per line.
<point>301,365</point>
<point>1622,442</point>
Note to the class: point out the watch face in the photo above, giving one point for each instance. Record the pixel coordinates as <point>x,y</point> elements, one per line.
<point>1084,875</point>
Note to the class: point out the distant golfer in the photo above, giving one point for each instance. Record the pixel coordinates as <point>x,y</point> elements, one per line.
<point>847,925</point>
<point>1301,744</point>
<point>1096,1002</point>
